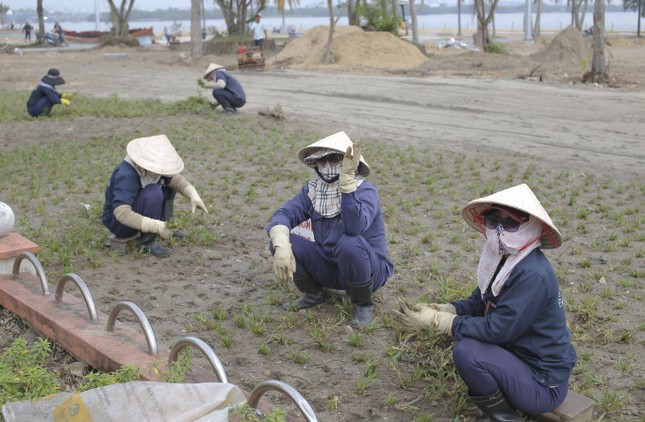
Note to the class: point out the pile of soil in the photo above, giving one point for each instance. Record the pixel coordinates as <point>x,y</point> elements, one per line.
<point>352,48</point>
<point>568,46</point>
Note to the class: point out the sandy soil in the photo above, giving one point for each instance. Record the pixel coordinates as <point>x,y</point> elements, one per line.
<point>458,101</point>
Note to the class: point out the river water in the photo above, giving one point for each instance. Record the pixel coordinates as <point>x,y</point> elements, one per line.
<point>614,22</point>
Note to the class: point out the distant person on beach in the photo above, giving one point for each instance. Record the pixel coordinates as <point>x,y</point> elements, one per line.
<point>139,196</point>
<point>259,32</point>
<point>45,96</point>
<point>167,34</point>
<point>227,90</point>
<point>349,250</point>
<point>27,30</point>
<point>58,33</point>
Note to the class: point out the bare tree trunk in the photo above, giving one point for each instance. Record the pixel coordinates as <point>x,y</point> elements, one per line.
<point>195,29</point>
<point>41,19</point>
<point>327,57</point>
<point>598,72</point>
<point>484,20</point>
<point>413,20</point>
<point>121,17</point>
<point>536,27</point>
<point>459,17</point>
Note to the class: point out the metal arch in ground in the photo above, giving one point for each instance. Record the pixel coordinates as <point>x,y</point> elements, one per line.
<point>87,296</point>
<point>205,348</point>
<point>36,263</point>
<point>143,321</point>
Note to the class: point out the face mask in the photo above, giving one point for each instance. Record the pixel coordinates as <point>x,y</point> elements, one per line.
<point>511,243</point>
<point>328,172</point>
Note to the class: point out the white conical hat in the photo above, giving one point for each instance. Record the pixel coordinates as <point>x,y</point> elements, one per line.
<point>519,197</point>
<point>211,67</point>
<point>155,154</point>
<point>338,142</point>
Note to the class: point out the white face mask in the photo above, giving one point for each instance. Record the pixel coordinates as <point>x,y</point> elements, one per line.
<point>328,171</point>
<point>511,243</point>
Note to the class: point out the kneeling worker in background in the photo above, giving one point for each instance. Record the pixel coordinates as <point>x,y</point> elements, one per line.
<point>141,191</point>
<point>227,90</point>
<point>45,96</point>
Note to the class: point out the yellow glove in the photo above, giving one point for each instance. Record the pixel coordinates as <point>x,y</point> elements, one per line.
<point>68,95</point>
<point>195,200</point>
<point>201,83</point>
<point>422,316</point>
<point>150,225</point>
<point>351,160</point>
<point>284,263</point>
<point>65,101</point>
<point>444,307</point>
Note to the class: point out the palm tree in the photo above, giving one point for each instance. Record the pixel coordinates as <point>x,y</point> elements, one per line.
<point>281,4</point>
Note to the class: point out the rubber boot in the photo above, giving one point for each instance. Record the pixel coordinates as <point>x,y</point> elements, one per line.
<point>361,296</point>
<point>312,293</point>
<point>167,210</point>
<point>496,407</point>
<point>228,109</point>
<point>148,245</point>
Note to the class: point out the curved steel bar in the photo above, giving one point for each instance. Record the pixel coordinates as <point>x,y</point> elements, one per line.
<point>143,321</point>
<point>36,263</point>
<point>205,348</point>
<point>286,389</point>
<point>60,287</point>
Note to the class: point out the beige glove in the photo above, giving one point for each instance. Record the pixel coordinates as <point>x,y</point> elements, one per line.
<point>422,316</point>
<point>201,83</point>
<point>150,225</point>
<point>284,263</point>
<point>444,307</point>
<point>351,160</point>
<point>195,200</point>
<point>181,185</point>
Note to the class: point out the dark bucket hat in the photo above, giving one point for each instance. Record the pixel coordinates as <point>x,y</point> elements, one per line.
<point>53,77</point>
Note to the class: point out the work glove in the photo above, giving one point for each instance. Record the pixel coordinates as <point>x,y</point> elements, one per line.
<point>67,95</point>
<point>444,307</point>
<point>201,83</point>
<point>65,101</point>
<point>150,225</point>
<point>284,263</point>
<point>351,160</point>
<point>422,316</point>
<point>195,199</point>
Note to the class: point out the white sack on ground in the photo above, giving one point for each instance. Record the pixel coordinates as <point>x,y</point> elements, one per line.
<point>133,401</point>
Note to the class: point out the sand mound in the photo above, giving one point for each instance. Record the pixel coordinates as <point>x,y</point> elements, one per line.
<point>568,46</point>
<point>352,48</point>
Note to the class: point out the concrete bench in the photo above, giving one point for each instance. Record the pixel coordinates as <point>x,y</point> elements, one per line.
<point>574,408</point>
<point>120,244</point>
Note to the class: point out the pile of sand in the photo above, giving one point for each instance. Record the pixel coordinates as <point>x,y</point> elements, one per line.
<point>568,46</point>
<point>352,48</point>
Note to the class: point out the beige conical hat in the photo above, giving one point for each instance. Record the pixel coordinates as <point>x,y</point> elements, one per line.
<point>155,154</point>
<point>338,142</point>
<point>211,67</point>
<point>519,197</point>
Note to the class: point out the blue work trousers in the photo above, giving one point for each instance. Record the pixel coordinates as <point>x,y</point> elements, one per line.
<point>149,203</point>
<point>486,368</point>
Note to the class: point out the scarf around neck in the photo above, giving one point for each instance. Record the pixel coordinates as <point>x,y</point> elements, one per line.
<point>326,197</point>
<point>516,246</point>
<point>145,177</point>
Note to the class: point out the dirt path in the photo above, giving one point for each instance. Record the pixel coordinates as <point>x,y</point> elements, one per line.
<point>539,119</point>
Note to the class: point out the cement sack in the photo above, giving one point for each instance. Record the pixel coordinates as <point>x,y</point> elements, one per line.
<point>132,401</point>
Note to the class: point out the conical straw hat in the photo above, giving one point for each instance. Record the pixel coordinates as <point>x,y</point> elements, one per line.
<point>519,197</point>
<point>338,142</point>
<point>212,67</point>
<point>155,154</point>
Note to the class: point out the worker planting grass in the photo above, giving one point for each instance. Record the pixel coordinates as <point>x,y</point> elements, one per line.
<point>218,284</point>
